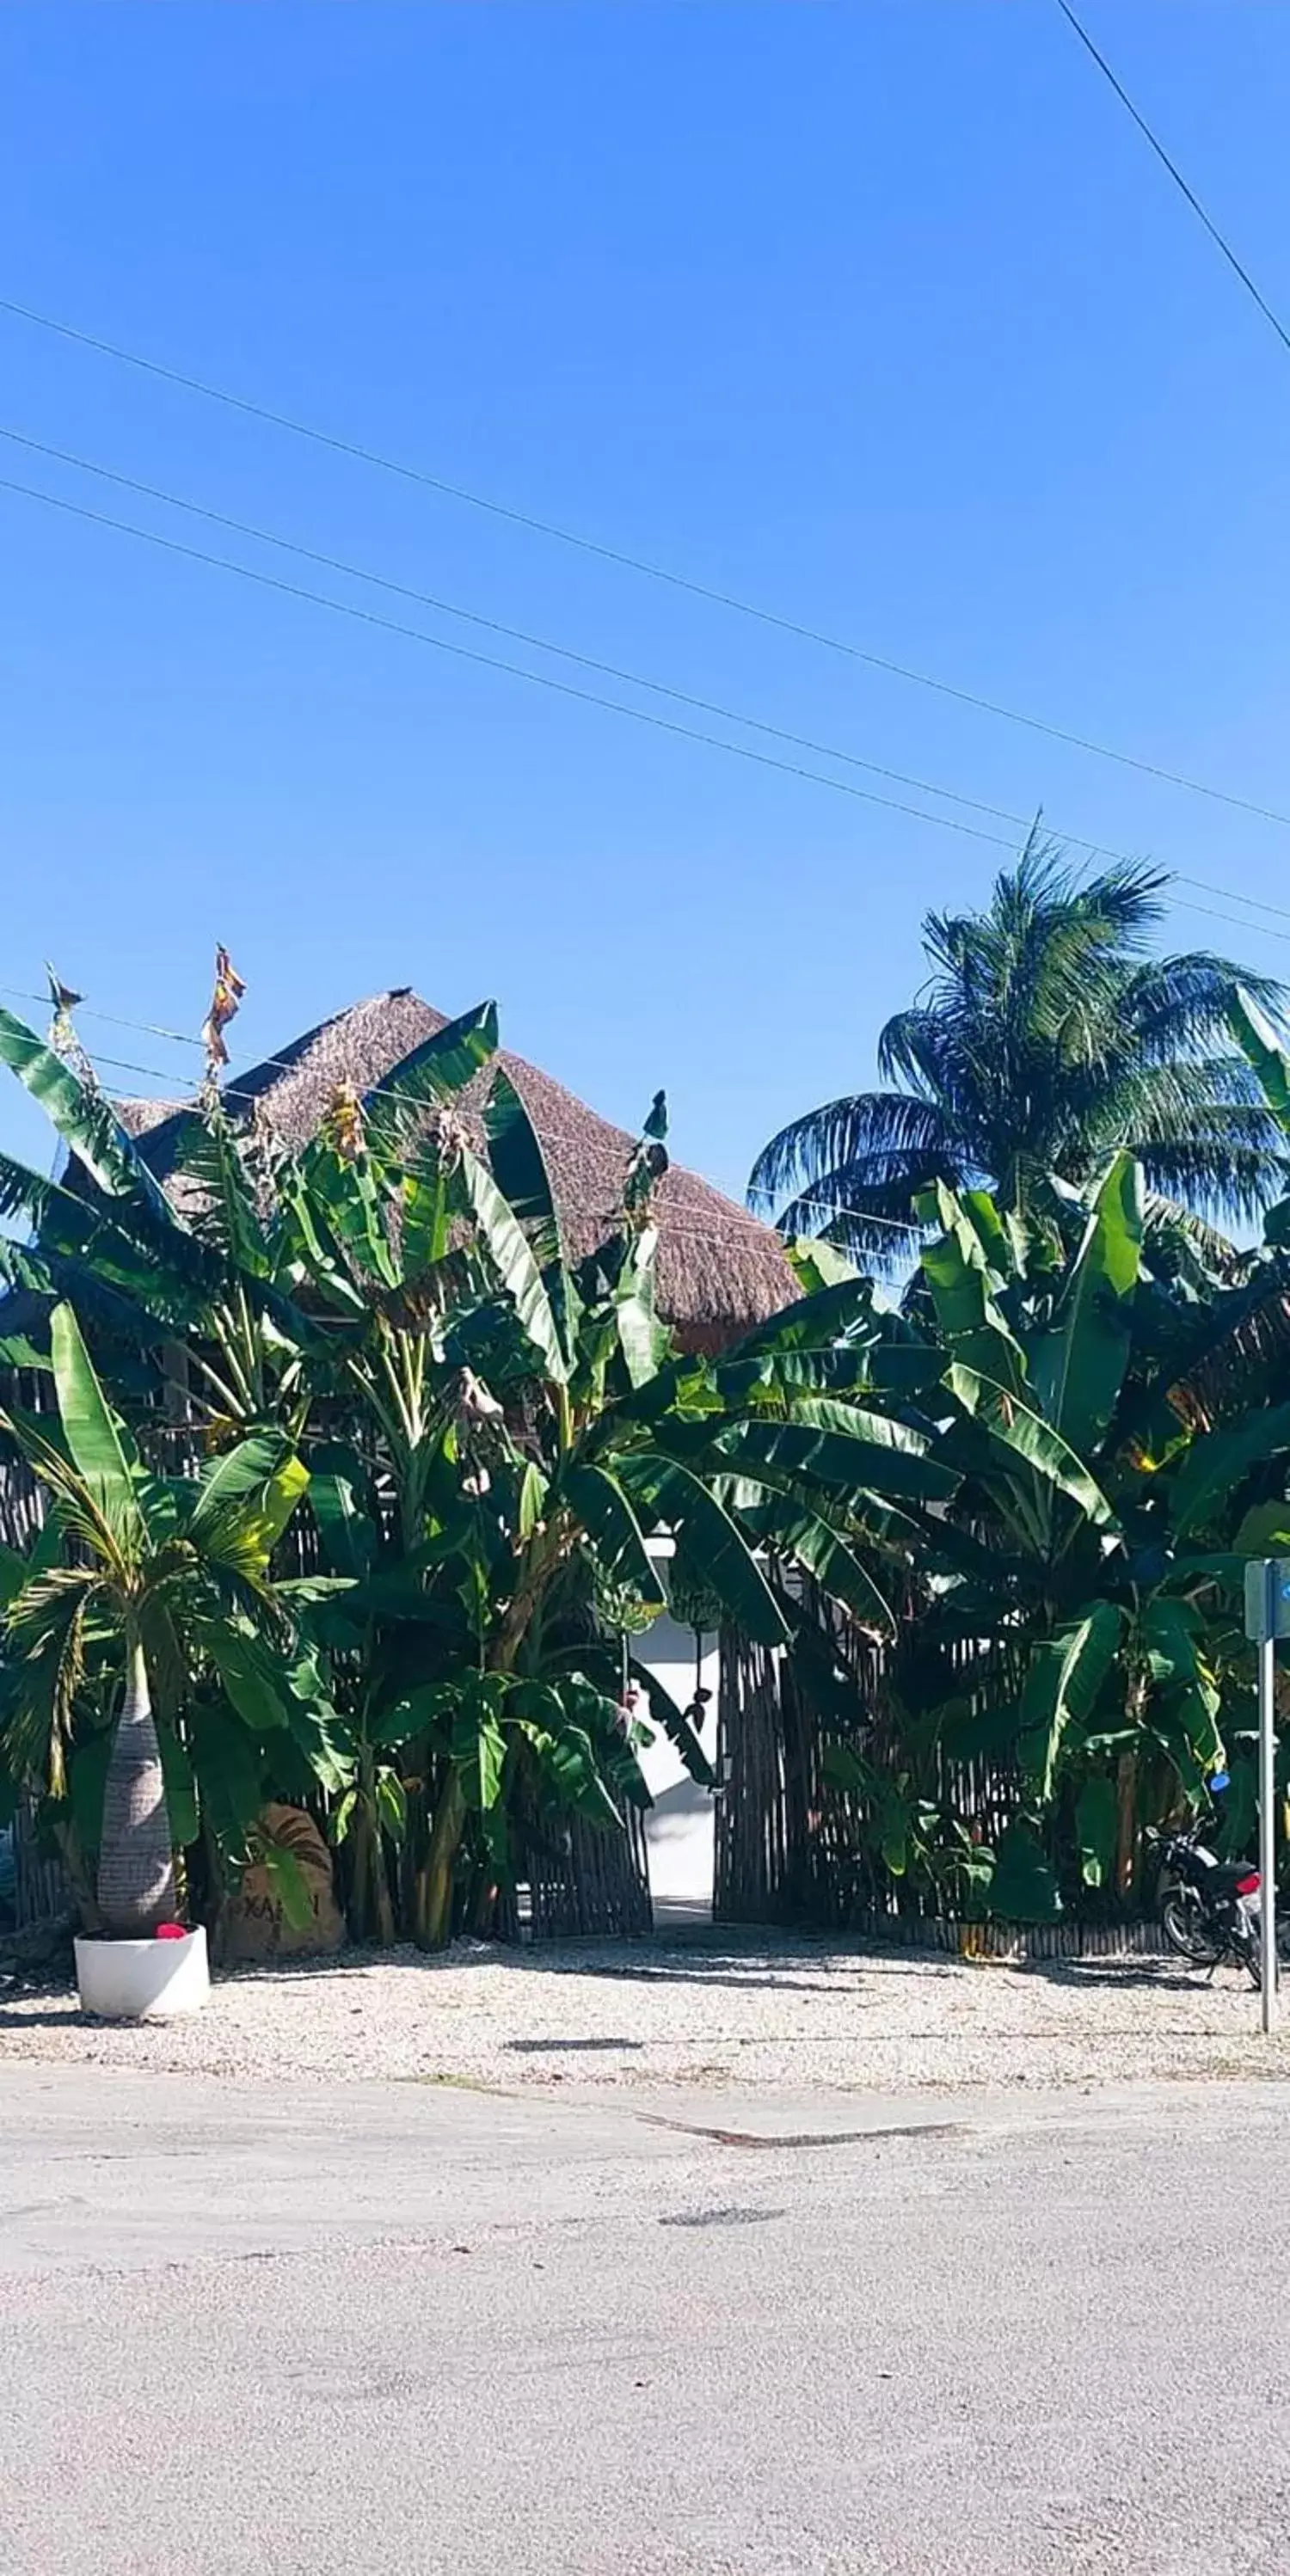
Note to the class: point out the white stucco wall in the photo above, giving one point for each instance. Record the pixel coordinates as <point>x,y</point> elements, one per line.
<point>680,1825</point>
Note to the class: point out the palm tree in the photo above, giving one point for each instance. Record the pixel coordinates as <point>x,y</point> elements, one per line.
<point>153,1575</point>
<point>1046,1041</point>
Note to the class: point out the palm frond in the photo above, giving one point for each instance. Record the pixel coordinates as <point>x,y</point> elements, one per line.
<point>844,1134</point>
<point>47,1626</point>
<point>1047,1040</point>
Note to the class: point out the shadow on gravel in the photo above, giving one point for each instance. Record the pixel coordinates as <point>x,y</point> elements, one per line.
<point>649,1973</point>
<point>563,2047</point>
<point>1163,1976</point>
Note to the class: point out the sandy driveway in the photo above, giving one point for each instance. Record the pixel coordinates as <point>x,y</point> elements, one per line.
<point>766,2012</point>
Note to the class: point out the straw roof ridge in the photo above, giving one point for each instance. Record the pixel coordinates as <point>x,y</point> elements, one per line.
<point>720,1269</point>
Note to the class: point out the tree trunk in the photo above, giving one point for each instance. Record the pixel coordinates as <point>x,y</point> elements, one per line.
<point>371,1914</point>
<point>1126,1791</point>
<point>435,1880</point>
<point>136,1889</point>
<point>1126,1838</point>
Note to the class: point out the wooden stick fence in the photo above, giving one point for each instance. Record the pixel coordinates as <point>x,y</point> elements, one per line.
<point>793,1846</point>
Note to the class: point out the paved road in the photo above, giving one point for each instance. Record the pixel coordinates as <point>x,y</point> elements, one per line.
<point>407,2329</point>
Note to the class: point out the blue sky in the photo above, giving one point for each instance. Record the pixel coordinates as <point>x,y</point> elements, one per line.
<point>878,314</point>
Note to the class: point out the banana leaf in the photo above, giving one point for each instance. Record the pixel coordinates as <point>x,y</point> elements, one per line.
<point>683,1503</point>
<point>1097,1829</point>
<point>810,1540</point>
<point>599,1502</point>
<point>1063,1679</point>
<point>84,1120</point>
<point>813,1323</point>
<point>516,1264</point>
<point>518,1166</point>
<point>1078,1369</point>
<point>1262,1049</point>
<point>206,1151</point>
<point>1013,1426</point>
<point>95,1439</point>
<point>1023,1888</point>
<point>873,1455</point>
<point>1217,1464</point>
<point>434,1071</point>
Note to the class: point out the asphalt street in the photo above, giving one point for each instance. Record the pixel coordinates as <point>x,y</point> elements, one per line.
<point>409,2328</point>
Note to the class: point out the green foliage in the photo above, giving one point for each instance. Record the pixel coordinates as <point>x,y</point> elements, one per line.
<point>137,1586</point>
<point>384,1327</point>
<point>1023,1888</point>
<point>1079,1594</point>
<point>433,1476</point>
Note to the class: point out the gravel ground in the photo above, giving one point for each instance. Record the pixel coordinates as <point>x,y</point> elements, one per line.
<point>771,2013</point>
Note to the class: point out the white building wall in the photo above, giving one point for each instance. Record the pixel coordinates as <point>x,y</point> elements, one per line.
<point>680,1826</point>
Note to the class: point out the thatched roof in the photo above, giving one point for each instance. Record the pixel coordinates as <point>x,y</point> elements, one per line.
<point>720,1270</point>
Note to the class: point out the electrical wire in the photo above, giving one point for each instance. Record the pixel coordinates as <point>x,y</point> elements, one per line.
<point>829,1208</point>
<point>613,706</point>
<point>549,1135</point>
<point>627,562</point>
<point>1264,928</point>
<point>522,635</point>
<point>1219,239</point>
<point>287,1064</point>
<point>587,661</point>
<point>493,662</point>
<point>545,644</point>
<point>584,1206</point>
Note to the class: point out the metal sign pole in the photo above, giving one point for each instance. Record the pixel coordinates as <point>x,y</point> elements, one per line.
<point>1267,1617</point>
<point>1267,1792</point>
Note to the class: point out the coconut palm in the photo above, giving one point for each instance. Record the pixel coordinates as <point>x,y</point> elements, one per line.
<point>150,1575</point>
<point>1046,1041</point>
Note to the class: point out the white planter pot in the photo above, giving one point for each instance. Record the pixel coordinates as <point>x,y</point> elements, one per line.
<point>143,1980</point>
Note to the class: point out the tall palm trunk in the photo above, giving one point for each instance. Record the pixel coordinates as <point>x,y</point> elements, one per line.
<point>136,1889</point>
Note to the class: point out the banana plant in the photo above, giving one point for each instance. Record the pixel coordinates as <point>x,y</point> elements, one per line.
<point>136,1582</point>
<point>1084,1623</point>
<point>521,1433</point>
<point>501,1442</point>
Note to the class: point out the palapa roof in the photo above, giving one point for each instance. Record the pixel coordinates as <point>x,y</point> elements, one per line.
<point>720,1270</point>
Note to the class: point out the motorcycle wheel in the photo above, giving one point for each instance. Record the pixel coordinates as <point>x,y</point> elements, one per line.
<point>1186,1928</point>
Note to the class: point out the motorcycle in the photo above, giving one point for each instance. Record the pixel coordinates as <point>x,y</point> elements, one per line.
<point>1211,1909</point>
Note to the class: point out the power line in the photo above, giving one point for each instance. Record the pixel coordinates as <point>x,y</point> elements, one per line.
<point>544,644</point>
<point>907,1226</point>
<point>626,562</point>
<point>1219,239</point>
<point>112,1019</point>
<point>544,680</point>
<point>517,634</point>
<point>549,1135</point>
<point>288,1064</point>
<point>568,653</point>
<point>587,661</point>
<point>1264,928</point>
<point>1233,894</point>
<point>567,1136</point>
<point>492,662</point>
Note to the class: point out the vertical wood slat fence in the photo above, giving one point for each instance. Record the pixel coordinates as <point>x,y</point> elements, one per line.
<point>598,1884</point>
<point>795,1847</point>
<point>40,1889</point>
